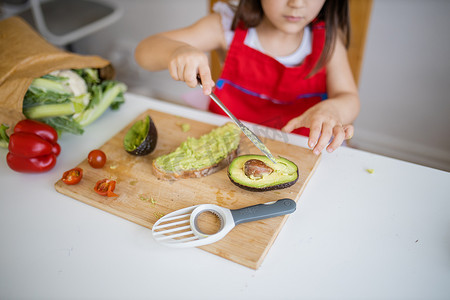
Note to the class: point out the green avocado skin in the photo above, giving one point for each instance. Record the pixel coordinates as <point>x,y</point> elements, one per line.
<point>267,188</point>
<point>142,137</point>
<point>280,178</point>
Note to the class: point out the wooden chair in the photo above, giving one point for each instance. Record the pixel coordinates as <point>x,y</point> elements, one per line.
<point>359,18</point>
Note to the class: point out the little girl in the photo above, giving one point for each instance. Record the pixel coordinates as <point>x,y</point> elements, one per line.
<point>286,65</point>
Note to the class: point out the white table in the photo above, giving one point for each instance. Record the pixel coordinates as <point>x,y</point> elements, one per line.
<point>354,235</point>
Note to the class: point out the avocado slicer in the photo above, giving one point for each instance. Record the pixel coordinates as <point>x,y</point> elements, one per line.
<point>180,229</point>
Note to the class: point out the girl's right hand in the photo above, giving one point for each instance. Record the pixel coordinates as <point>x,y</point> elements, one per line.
<point>186,62</point>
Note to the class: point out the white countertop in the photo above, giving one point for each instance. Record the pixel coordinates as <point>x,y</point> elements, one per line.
<point>354,235</point>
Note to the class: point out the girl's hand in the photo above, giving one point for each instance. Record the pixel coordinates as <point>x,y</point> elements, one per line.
<point>323,125</point>
<point>186,62</point>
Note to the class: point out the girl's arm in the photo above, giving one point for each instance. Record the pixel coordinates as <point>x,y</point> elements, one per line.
<point>182,51</point>
<point>332,117</point>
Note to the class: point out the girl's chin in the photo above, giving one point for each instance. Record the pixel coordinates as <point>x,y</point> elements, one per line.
<point>291,28</point>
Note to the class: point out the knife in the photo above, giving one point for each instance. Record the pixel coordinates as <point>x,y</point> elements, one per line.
<point>253,138</point>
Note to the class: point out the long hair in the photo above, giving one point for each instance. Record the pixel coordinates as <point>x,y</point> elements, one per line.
<point>334,13</point>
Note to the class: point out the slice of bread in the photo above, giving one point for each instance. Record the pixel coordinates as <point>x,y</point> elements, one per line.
<point>200,157</point>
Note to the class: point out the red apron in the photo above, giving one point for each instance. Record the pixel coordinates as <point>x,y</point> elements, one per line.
<point>257,88</point>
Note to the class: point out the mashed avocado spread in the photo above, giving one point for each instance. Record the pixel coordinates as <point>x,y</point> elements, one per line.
<point>203,152</point>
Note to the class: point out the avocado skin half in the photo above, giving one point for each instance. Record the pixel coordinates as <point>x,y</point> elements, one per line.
<point>149,143</point>
<point>246,184</point>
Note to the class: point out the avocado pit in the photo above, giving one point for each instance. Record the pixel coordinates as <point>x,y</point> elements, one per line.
<point>256,169</point>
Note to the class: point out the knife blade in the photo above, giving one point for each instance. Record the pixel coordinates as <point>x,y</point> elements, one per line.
<point>252,137</point>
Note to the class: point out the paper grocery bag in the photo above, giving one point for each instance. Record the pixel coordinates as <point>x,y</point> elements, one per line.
<point>25,55</point>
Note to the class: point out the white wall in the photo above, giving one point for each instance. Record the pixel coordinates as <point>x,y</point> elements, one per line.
<point>405,82</point>
<point>403,86</point>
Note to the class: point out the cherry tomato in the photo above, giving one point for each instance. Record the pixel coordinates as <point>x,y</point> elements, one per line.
<point>97,158</point>
<point>72,176</point>
<point>105,187</point>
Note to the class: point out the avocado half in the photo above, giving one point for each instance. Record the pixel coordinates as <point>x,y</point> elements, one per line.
<point>141,138</point>
<point>257,173</point>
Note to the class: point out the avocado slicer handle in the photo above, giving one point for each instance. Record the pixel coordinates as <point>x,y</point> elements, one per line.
<point>263,211</point>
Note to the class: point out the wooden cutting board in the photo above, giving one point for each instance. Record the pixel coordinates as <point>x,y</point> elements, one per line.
<point>143,198</point>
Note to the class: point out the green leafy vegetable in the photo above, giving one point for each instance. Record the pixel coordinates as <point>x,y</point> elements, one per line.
<point>4,138</point>
<point>69,100</point>
<point>103,96</point>
<point>64,124</point>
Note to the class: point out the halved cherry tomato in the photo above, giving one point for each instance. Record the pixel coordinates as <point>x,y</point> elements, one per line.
<point>105,187</point>
<point>97,158</point>
<point>73,176</point>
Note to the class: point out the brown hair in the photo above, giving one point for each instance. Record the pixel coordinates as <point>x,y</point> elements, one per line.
<point>334,13</point>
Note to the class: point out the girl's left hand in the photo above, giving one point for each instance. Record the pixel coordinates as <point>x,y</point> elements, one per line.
<point>324,125</point>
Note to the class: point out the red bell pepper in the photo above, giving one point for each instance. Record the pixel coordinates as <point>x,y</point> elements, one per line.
<point>31,164</point>
<point>56,149</point>
<point>43,130</point>
<point>32,147</point>
<point>28,145</point>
